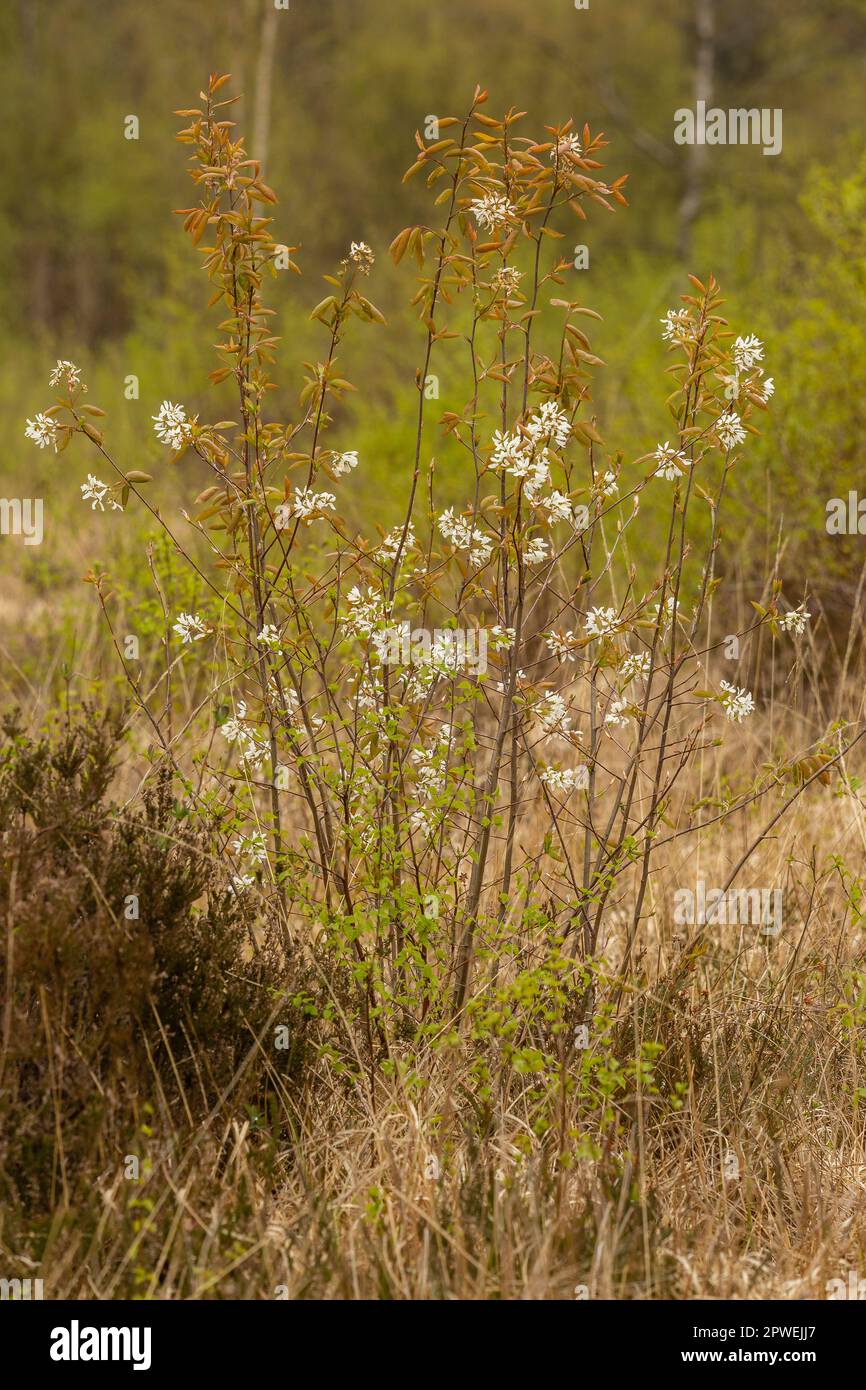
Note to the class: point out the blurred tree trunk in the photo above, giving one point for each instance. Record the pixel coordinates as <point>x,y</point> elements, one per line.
<point>264,83</point>
<point>705,61</point>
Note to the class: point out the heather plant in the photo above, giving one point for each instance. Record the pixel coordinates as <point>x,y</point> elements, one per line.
<point>128,970</point>
<point>445,760</point>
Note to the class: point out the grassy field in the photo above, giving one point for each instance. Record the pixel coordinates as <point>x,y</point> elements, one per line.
<point>432,724</point>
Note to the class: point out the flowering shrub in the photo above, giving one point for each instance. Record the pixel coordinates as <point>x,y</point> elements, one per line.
<point>404,817</point>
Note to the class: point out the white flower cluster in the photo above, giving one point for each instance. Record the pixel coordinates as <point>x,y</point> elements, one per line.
<point>464,536</point>
<point>671,462</point>
<point>449,653</point>
<point>747,352</point>
<point>561,647</point>
<point>240,883</point>
<point>524,454</point>
<point>552,714</point>
<point>363,257</point>
<point>253,750</point>
<point>508,279</point>
<point>365,611</point>
<point>344,463</point>
<point>558,505</point>
<point>563,780</point>
<point>567,145</point>
<point>677,326</point>
<point>390,545</point>
<point>431,774</point>
<point>251,846</point>
<point>636,664</point>
<point>95,492</point>
<point>601,622</point>
<point>615,715</point>
<point>43,431</point>
<point>304,505</point>
<point>737,704</point>
<point>730,431</point>
<point>795,621</point>
<point>765,388</point>
<point>190,627</point>
<point>492,210</point>
<point>536,551</point>
<point>502,638</point>
<point>171,425</point>
<point>67,373</point>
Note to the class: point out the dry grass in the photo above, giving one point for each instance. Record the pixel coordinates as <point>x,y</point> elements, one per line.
<point>409,1186</point>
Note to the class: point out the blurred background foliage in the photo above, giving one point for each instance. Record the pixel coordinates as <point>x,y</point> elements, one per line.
<point>98,270</point>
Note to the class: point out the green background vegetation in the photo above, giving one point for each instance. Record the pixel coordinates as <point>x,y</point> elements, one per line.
<point>97,269</point>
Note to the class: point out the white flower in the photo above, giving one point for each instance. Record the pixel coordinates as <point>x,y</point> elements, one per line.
<point>615,715</point>
<point>502,638</point>
<point>253,846</point>
<point>240,883</point>
<point>66,372</point>
<point>492,210</point>
<point>670,462</point>
<point>747,352</point>
<point>766,388</point>
<point>344,463</point>
<point>253,750</point>
<point>481,550</point>
<point>552,714</point>
<point>391,543</point>
<point>601,622</point>
<point>795,621</point>
<point>449,654</point>
<point>305,503</point>
<point>730,430</point>
<point>94,491</point>
<point>43,431</point>
<point>535,551</point>
<point>507,278</point>
<point>566,145</point>
<point>677,326</point>
<point>560,647</point>
<point>418,821</point>
<point>549,422</point>
<point>537,478</point>
<point>565,780</point>
<point>510,451</point>
<point>608,484</point>
<point>233,729</point>
<point>463,536</point>
<point>269,636</point>
<point>190,627</point>
<point>558,505</point>
<point>366,611</point>
<point>636,664</point>
<point>736,703</point>
<point>363,257</point>
<point>520,678</point>
<point>171,425</point>
<point>664,617</point>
